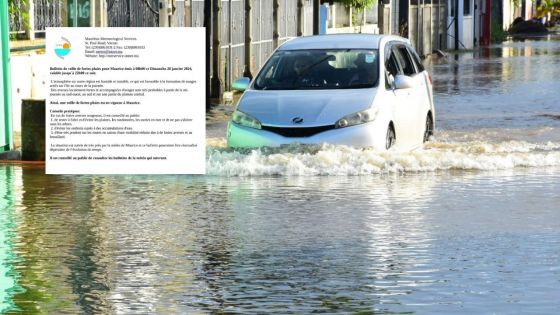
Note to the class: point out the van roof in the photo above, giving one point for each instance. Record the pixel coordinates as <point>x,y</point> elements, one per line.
<point>338,41</point>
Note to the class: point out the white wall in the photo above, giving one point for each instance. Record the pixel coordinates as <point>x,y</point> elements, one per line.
<point>466,26</point>
<point>508,14</point>
<point>528,10</point>
<point>468,32</point>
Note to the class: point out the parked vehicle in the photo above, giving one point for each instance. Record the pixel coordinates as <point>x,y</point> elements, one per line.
<point>352,89</point>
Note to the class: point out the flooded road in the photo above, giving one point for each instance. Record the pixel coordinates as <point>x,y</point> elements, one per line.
<point>469,225</point>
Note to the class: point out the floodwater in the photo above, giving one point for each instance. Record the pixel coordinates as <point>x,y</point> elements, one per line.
<point>468,225</point>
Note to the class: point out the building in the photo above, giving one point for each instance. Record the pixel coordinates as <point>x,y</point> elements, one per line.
<point>469,23</point>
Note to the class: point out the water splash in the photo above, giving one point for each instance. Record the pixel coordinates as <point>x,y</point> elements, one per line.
<point>439,155</point>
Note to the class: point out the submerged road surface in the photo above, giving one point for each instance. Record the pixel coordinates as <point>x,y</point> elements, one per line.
<point>468,225</point>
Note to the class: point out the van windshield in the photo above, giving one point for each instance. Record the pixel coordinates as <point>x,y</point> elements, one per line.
<point>319,69</point>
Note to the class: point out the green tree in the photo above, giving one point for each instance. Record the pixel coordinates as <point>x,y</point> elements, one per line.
<point>549,9</point>
<point>18,8</point>
<point>359,5</point>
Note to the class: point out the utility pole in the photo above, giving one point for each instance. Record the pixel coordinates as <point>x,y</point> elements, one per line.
<point>165,9</point>
<point>248,40</point>
<point>275,23</point>
<point>300,17</point>
<point>316,6</point>
<point>456,26</point>
<point>418,27</point>
<point>171,7</point>
<point>208,28</point>
<point>216,83</point>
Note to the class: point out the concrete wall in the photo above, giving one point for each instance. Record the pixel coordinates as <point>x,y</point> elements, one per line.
<point>342,16</point>
<point>427,27</point>
<point>28,82</point>
<point>387,19</point>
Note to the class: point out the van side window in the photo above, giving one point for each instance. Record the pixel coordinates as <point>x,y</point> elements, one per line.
<point>405,60</point>
<point>392,67</point>
<point>416,59</point>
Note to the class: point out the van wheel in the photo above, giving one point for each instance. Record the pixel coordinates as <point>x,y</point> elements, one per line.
<point>429,129</point>
<point>391,138</point>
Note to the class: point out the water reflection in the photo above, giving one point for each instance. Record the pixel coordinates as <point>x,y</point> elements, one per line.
<point>301,239</point>
<point>174,244</point>
<point>62,268</point>
<point>8,227</point>
<point>506,85</point>
<point>185,244</point>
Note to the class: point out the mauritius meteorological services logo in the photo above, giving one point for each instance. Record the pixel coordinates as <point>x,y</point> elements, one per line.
<point>62,48</point>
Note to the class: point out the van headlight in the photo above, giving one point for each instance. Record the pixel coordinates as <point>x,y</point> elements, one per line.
<point>243,119</point>
<point>360,117</point>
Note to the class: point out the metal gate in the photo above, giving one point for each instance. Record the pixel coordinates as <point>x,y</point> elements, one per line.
<point>46,13</point>
<point>232,32</point>
<point>132,13</point>
<point>16,20</point>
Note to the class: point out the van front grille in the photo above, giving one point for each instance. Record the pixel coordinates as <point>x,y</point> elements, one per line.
<point>297,132</point>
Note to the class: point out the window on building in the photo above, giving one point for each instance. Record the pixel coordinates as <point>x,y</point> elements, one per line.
<point>452,8</point>
<point>467,7</point>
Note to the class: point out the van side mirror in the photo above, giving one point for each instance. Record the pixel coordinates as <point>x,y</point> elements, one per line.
<point>403,82</point>
<point>241,84</point>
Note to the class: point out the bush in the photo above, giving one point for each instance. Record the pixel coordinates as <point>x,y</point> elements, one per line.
<point>497,34</point>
